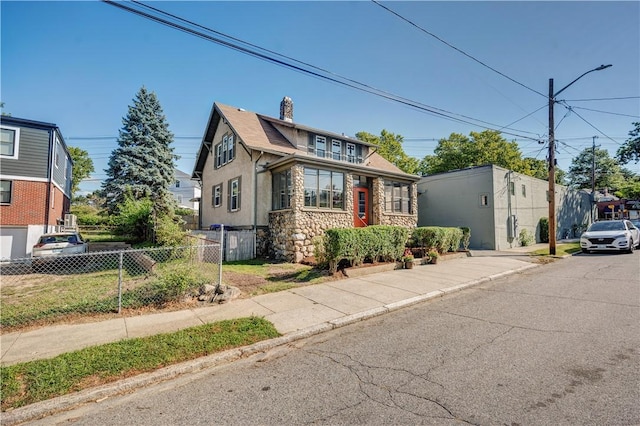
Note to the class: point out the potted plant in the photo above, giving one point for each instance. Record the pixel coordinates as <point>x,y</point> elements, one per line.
<point>407,259</point>
<point>433,256</point>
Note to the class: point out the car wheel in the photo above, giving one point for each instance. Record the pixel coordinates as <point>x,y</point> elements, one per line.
<point>632,247</point>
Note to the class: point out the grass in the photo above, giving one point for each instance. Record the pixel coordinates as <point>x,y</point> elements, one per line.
<point>30,382</point>
<point>102,235</point>
<point>49,297</point>
<point>561,250</point>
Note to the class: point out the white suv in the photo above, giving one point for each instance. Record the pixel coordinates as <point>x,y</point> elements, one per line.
<point>610,235</point>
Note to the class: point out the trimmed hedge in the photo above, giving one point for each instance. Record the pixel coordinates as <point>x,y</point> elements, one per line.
<point>544,229</point>
<point>375,243</point>
<point>442,239</point>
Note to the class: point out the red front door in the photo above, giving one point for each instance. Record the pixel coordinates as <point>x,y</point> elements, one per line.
<point>360,207</point>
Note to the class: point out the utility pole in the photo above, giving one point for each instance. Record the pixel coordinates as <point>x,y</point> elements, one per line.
<point>593,176</point>
<point>552,174</point>
<point>552,159</point>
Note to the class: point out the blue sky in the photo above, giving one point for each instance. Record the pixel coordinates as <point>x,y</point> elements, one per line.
<point>80,64</point>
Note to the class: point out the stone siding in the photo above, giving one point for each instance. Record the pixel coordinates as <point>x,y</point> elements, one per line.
<point>292,231</point>
<point>380,217</point>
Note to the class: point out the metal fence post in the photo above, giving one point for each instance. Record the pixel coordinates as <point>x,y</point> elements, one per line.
<point>220,256</point>
<point>120,256</point>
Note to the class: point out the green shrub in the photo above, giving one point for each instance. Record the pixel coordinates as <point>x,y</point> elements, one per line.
<point>169,232</point>
<point>466,237</point>
<point>442,239</point>
<point>171,285</point>
<point>544,229</point>
<point>355,245</point>
<point>134,217</point>
<point>319,251</point>
<point>454,237</point>
<point>89,215</point>
<point>526,238</point>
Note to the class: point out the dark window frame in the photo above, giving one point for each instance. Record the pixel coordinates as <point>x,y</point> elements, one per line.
<point>398,197</point>
<point>282,190</point>
<point>6,199</point>
<point>316,197</point>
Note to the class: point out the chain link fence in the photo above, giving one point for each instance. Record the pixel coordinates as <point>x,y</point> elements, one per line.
<point>56,288</point>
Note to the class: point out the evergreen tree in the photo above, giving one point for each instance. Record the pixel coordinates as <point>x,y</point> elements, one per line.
<point>143,163</point>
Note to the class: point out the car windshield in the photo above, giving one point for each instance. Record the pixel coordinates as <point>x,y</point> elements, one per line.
<point>607,226</point>
<point>53,239</point>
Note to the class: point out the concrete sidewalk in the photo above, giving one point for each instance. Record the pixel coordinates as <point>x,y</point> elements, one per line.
<point>314,307</point>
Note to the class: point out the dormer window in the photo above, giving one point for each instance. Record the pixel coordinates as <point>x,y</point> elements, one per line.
<point>321,146</point>
<point>351,152</point>
<point>336,150</point>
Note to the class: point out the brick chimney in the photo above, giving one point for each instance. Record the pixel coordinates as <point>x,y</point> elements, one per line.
<point>286,109</point>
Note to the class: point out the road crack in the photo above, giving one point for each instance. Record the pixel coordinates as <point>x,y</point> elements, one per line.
<point>375,387</point>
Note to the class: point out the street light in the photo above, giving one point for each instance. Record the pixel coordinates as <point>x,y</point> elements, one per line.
<point>552,159</point>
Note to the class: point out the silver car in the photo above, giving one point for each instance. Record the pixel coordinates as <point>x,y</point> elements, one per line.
<point>610,235</point>
<point>58,249</point>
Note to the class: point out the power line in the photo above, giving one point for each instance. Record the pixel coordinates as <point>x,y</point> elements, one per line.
<point>602,99</point>
<point>319,73</point>
<point>583,119</point>
<point>607,112</point>
<point>116,137</point>
<point>456,49</point>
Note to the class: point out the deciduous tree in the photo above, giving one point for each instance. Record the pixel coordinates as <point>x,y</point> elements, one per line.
<point>82,167</point>
<point>630,149</point>
<point>608,173</point>
<point>390,148</point>
<point>478,149</point>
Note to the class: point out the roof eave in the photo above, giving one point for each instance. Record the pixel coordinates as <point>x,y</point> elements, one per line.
<point>295,157</point>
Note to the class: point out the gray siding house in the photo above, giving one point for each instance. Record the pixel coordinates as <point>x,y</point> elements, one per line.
<point>35,183</point>
<point>496,204</point>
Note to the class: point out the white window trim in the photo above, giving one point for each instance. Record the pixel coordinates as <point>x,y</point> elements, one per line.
<point>16,142</point>
<point>481,198</point>
<point>231,152</point>
<point>323,140</point>
<point>217,194</point>
<point>351,152</point>
<point>334,143</point>
<point>234,182</point>
<point>224,151</point>
<point>56,154</point>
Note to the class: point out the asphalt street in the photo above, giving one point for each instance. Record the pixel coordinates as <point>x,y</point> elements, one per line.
<point>557,344</point>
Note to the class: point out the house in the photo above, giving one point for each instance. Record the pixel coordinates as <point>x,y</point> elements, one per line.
<point>496,204</point>
<point>185,191</point>
<point>35,183</point>
<point>289,182</point>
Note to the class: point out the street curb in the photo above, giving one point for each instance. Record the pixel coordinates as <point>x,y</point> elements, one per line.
<point>67,402</point>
